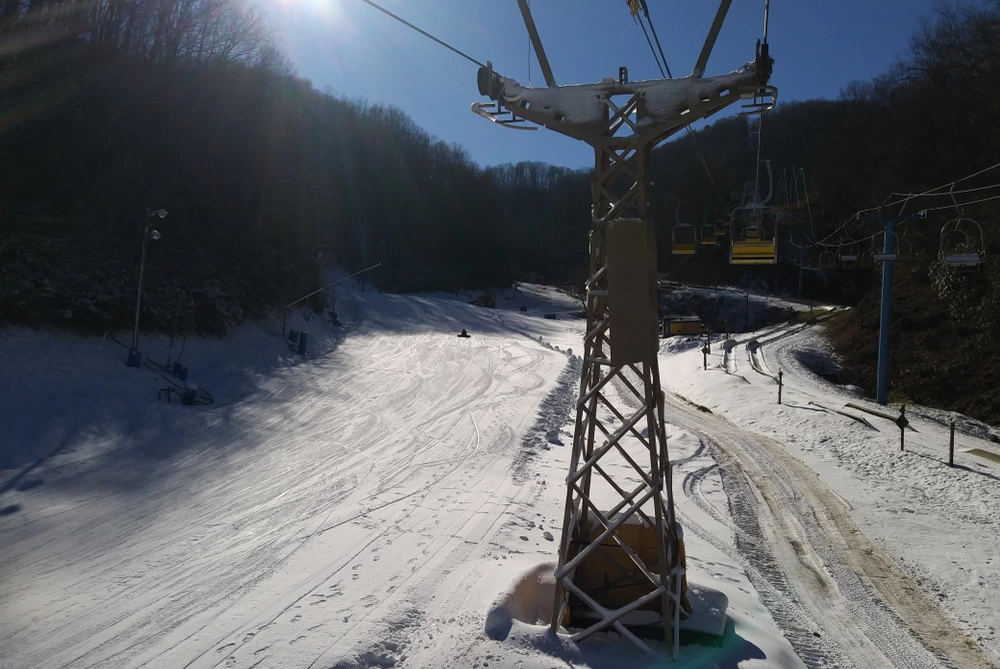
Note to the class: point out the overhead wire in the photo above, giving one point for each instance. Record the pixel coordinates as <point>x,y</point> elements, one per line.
<point>423,32</point>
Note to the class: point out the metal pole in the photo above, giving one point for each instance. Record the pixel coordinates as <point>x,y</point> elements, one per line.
<point>889,248</point>
<point>746,318</point>
<point>138,298</point>
<point>780,375</point>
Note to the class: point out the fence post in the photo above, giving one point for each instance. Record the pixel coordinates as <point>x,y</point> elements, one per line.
<point>951,445</point>
<point>902,423</point>
<point>780,375</point>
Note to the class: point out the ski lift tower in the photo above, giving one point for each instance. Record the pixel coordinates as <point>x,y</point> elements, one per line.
<point>621,404</point>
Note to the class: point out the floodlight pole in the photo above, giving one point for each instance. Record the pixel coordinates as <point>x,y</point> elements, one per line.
<point>146,229</point>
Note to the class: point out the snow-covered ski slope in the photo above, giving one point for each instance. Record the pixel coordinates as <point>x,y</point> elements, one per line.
<point>365,506</point>
<point>361,507</point>
<point>898,543</point>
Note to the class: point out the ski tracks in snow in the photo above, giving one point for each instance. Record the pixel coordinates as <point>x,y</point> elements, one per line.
<point>360,494</point>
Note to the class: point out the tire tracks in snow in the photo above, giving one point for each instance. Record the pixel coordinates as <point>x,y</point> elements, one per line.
<point>810,562</point>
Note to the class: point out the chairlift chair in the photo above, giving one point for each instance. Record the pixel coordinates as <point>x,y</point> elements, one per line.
<point>721,226</point>
<point>904,249</point>
<point>753,236</point>
<point>685,237</point>
<point>685,242</point>
<point>848,255</point>
<point>878,254</point>
<point>827,259</point>
<point>962,244</point>
<point>708,233</point>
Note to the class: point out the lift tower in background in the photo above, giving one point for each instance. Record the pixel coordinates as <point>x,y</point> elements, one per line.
<point>620,411</point>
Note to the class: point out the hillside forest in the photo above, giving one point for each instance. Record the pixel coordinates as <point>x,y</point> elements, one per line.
<point>113,106</point>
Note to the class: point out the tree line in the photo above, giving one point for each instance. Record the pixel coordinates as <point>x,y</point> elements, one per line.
<point>115,106</point>
<point>187,105</point>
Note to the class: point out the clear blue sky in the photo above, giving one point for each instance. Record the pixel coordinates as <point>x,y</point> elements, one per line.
<point>358,52</point>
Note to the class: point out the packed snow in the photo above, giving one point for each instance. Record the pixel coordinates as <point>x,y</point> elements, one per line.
<point>394,498</point>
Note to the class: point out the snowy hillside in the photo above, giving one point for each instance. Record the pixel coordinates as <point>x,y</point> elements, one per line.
<point>373,503</point>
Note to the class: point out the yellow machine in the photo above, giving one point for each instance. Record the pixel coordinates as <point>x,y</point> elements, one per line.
<point>681,325</point>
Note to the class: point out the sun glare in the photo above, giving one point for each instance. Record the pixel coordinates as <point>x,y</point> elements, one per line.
<point>330,12</point>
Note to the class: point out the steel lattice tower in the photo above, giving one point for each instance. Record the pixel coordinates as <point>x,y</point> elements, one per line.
<point>620,408</point>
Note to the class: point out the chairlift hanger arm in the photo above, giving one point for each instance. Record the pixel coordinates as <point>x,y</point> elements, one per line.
<point>536,42</point>
<point>655,110</point>
<point>713,34</point>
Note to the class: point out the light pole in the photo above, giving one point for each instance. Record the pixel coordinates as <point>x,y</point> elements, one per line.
<point>148,232</point>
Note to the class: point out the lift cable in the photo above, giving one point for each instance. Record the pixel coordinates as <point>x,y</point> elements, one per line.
<point>930,192</point>
<point>423,32</point>
<point>638,20</point>
<point>652,28</point>
<point>634,6</point>
<point>949,193</point>
<point>965,204</point>
<point>905,198</point>
<point>824,243</point>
